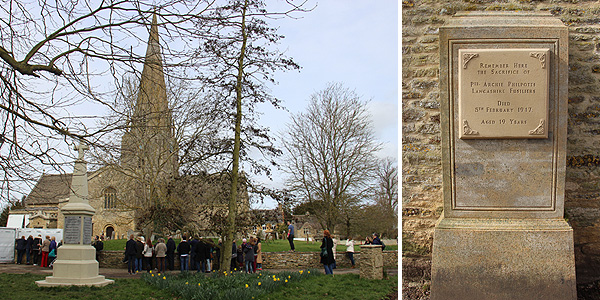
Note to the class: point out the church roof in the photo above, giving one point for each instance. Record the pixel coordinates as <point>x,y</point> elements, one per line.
<point>50,189</point>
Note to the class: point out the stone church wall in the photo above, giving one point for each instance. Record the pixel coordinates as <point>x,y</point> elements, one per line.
<point>421,166</point>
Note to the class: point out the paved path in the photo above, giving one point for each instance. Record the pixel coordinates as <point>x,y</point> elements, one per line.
<point>122,273</point>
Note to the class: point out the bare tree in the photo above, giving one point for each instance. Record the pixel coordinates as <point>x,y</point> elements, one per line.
<point>58,57</point>
<point>330,153</point>
<point>239,46</point>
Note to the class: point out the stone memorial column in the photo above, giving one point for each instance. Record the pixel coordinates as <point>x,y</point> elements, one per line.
<point>76,260</point>
<point>503,94</point>
<point>371,262</point>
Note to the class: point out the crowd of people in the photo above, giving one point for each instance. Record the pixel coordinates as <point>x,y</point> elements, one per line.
<point>201,255</point>
<point>37,251</point>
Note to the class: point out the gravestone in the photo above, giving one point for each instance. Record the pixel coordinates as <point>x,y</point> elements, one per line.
<point>503,86</point>
<point>76,259</point>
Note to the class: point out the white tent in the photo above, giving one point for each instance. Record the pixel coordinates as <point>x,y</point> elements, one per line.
<point>7,245</point>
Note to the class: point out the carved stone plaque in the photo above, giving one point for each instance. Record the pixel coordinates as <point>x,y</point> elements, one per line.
<point>503,93</point>
<point>72,232</point>
<point>87,230</point>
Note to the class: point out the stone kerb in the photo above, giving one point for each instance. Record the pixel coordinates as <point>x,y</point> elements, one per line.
<point>371,266</point>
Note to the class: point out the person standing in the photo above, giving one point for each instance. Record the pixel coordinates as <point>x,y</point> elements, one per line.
<point>184,251</point>
<point>36,250</point>
<point>139,253</point>
<point>29,249</point>
<point>193,261</point>
<point>148,250</point>
<point>290,235</point>
<point>258,255</point>
<point>327,256</point>
<point>21,245</point>
<point>161,252</point>
<point>99,246</point>
<point>130,252</point>
<point>199,257</point>
<point>170,253</point>
<point>248,249</point>
<point>350,250</point>
<point>45,251</point>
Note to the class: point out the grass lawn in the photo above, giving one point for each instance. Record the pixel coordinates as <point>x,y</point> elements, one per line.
<point>218,286</point>
<point>22,286</point>
<point>267,246</point>
<point>345,286</point>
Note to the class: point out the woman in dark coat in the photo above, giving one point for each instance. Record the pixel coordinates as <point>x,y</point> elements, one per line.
<point>327,260</point>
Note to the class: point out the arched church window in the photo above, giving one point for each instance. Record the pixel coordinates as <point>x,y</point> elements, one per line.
<point>110,198</point>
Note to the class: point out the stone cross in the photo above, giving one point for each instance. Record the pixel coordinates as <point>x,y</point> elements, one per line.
<point>80,148</point>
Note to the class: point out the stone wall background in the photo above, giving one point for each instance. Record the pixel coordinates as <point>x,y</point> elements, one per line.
<point>421,165</point>
<point>271,260</point>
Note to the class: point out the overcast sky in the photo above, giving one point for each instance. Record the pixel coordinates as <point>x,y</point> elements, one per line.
<point>350,41</point>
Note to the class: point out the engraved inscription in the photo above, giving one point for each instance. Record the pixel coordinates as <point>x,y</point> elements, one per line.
<point>87,229</point>
<point>503,94</point>
<point>72,231</point>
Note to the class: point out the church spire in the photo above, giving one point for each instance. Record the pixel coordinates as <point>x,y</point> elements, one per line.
<point>152,108</point>
<point>150,141</point>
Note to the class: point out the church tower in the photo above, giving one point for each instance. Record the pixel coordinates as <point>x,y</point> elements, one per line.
<point>149,147</point>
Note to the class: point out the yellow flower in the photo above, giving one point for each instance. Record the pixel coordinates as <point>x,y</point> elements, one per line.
<point>274,279</point>
<point>151,272</point>
<point>290,276</point>
<point>259,283</point>
<point>164,277</point>
<point>286,280</point>
<point>152,275</point>
<point>158,273</point>
<point>198,283</point>
<point>246,285</point>
<point>308,272</point>
<point>186,282</point>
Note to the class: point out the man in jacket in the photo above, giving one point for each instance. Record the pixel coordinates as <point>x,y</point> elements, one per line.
<point>130,252</point>
<point>21,244</point>
<point>161,252</point>
<point>36,249</point>
<point>28,249</point>
<point>139,253</point>
<point>171,253</point>
<point>184,251</point>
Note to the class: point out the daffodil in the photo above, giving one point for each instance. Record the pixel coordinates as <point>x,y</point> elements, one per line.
<point>286,280</point>
<point>152,275</point>
<point>259,283</point>
<point>246,285</point>
<point>198,283</point>
<point>164,277</point>
<point>308,272</point>
<point>151,272</point>
<point>186,282</point>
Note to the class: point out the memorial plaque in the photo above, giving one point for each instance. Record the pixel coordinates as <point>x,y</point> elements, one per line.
<point>87,229</point>
<point>503,93</point>
<point>72,232</point>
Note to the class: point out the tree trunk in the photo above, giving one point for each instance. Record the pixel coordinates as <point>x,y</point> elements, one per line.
<point>230,233</point>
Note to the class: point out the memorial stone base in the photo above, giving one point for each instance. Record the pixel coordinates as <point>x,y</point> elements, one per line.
<point>503,259</point>
<point>75,265</point>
